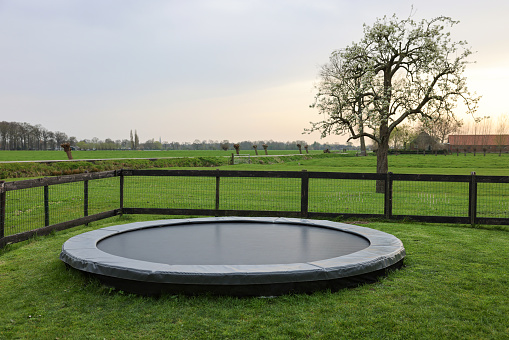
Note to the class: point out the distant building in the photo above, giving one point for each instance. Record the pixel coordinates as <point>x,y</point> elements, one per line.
<point>424,142</point>
<point>492,143</point>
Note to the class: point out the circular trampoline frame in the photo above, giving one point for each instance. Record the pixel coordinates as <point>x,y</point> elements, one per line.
<point>385,252</point>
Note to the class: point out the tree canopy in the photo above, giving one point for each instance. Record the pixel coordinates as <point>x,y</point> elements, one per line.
<point>401,70</point>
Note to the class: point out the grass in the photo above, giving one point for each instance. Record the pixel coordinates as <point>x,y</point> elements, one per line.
<point>9,171</point>
<point>489,165</point>
<point>453,285</point>
<point>18,169</point>
<point>29,155</point>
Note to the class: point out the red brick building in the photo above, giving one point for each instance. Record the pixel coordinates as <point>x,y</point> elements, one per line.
<point>492,143</point>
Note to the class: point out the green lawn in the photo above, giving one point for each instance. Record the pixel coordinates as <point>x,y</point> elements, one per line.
<point>489,165</point>
<point>27,155</point>
<point>453,286</point>
<point>454,283</point>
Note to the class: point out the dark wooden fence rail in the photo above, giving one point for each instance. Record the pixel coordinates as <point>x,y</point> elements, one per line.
<point>304,211</point>
<point>304,176</point>
<point>46,183</point>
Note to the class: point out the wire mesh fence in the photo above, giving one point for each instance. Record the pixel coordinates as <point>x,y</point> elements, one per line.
<point>427,198</point>
<point>24,210</point>
<point>260,193</point>
<point>241,159</point>
<point>103,194</point>
<point>348,196</point>
<point>32,205</point>
<point>493,200</point>
<point>65,202</point>
<point>165,192</point>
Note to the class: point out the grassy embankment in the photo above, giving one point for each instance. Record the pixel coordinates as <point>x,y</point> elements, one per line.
<point>490,164</point>
<point>23,164</point>
<point>115,154</point>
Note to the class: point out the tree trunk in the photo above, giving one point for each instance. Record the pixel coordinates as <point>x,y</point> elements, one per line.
<point>363,142</point>
<point>363,146</point>
<point>67,149</point>
<point>360,106</point>
<point>382,164</point>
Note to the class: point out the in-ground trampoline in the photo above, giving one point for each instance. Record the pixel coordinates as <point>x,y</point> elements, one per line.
<point>234,255</point>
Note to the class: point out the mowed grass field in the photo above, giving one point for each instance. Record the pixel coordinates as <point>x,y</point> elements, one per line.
<point>491,164</point>
<point>454,283</point>
<point>22,155</point>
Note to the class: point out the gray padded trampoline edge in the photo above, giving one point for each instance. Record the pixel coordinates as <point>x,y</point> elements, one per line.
<point>384,251</point>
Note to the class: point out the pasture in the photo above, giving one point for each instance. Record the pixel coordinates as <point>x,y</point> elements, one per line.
<point>454,283</point>
<point>489,165</point>
<point>22,155</point>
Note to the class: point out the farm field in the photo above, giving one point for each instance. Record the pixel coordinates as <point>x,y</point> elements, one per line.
<point>489,165</point>
<point>453,285</point>
<point>10,156</point>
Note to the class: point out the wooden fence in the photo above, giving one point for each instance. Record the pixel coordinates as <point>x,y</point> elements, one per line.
<point>465,199</point>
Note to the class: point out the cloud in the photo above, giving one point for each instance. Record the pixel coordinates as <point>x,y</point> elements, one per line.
<point>196,68</point>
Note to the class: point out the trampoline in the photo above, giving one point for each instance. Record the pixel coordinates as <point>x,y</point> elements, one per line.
<point>257,256</point>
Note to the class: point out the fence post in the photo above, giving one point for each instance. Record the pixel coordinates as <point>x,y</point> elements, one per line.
<point>472,199</point>
<point>388,196</point>
<point>304,194</point>
<point>121,173</point>
<point>85,198</point>
<point>218,178</point>
<point>46,205</point>
<point>2,208</point>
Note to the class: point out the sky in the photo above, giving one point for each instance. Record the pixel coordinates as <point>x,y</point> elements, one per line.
<point>209,70</point>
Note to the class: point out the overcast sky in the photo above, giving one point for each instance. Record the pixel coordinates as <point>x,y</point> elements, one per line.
<point>207,70</point>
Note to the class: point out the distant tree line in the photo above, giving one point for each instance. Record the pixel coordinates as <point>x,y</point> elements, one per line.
<point>152,144</point>
<point>249,145</point>
<point>24,136</point>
